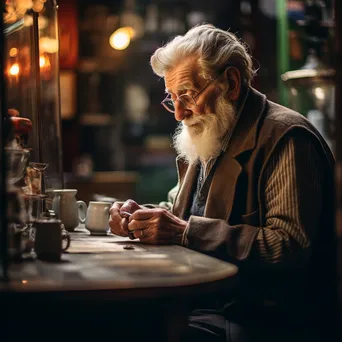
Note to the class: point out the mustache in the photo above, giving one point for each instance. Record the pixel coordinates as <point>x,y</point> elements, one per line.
<point>195,120</point>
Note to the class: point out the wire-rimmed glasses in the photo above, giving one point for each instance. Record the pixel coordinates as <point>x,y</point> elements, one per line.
<point>187,101</point>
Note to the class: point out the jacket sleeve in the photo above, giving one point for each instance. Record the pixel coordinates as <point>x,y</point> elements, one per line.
<point>293,182</point>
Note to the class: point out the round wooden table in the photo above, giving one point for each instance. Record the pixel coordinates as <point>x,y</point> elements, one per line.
<point>110,287</point>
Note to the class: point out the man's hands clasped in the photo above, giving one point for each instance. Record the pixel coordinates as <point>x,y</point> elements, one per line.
<point>152,226</point>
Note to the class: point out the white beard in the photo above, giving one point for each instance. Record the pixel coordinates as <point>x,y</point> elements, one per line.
<point>204,139</point>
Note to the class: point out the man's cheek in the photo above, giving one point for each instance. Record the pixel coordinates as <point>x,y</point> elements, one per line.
<point>200,109</point>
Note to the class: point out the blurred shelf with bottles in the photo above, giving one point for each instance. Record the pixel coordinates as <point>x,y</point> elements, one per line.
<point>31,72</point>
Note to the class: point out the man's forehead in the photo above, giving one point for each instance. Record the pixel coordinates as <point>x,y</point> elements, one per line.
<point>180,87</point>
<point>183,76</point>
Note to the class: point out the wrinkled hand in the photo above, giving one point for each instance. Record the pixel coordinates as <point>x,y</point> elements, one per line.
<point>157,226</point>
<point>118,220</point>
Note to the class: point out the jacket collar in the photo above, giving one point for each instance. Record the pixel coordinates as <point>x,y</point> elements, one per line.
<point>243,139</point>
<point>226,140</point>
<point>244,135</point>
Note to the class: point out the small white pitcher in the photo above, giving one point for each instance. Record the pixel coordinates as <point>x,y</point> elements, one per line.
<point>70,211</point>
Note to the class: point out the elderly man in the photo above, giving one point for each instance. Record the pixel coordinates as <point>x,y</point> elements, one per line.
<point>255,188</point>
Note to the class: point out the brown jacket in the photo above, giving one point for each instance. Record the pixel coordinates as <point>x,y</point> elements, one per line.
<point>235,207</point>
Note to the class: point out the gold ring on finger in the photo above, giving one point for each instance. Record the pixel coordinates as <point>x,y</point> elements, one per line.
<point>142,233</point>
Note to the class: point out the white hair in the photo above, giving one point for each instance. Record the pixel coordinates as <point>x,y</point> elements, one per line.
<point>214,48</point>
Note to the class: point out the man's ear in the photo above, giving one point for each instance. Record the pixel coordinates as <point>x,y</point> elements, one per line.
<point>232,78</point>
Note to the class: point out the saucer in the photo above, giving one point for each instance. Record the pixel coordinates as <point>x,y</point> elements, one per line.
<point>98,233</point>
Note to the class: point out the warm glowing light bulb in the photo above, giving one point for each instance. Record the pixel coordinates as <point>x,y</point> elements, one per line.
<point>14,69</point>
<point>319,93</point>
<point>38,5</point>
<point>121,38</point>
<point>13,52</point>
<point>42,61</point>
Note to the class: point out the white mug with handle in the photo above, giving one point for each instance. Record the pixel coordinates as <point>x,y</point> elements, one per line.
<point>98,218</point>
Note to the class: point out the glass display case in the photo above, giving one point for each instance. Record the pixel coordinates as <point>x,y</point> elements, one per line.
<point>31,155</point>
<point>32,79</point>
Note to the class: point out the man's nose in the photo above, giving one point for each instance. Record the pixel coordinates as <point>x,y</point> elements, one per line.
<point>180,111</point>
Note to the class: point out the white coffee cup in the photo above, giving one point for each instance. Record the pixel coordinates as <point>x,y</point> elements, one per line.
<point>97,218</point>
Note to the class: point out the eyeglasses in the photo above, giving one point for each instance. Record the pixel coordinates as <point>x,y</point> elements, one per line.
<point>186,100</point>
